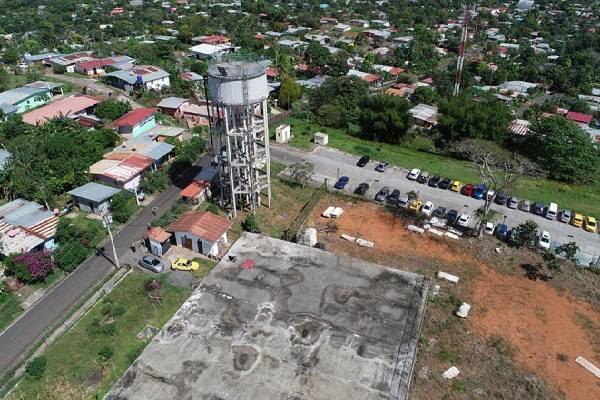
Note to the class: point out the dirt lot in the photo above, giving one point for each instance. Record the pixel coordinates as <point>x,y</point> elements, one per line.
<point>525,328</point>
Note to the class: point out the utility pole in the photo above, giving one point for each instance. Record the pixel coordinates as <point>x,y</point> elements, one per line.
<point>461,49</point>
<point>106,224</point>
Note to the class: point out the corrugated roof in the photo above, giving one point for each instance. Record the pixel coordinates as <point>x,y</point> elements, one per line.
<point>94,191</point>
<point>148,73</point>
<point>205,225</point>
<point>207,173</point>
<point>102,165</point>
<point>148,148</point>
<point>134,117</point>
<point>171,102</point>
<point>25,225</point>
<point>17,95</point>
<point>194,189</point>
<point>129,167</point>
<point>43,85</point>
<point>159,234</point>
<point>425,112</point>
<point>520,127</point>
<point>64,107</point>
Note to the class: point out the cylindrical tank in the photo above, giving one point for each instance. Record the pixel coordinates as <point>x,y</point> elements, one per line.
<point>227,80</point>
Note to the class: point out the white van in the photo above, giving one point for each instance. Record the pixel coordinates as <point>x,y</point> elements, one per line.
<point>552,211</point>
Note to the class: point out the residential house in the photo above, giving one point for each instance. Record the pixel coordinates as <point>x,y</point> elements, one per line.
<point>22,99</point>
<point>579,118</point>
<point>26,226</point>
<point>206,51</point>
<point>377,34</point>
<point>199,189</point>
<point>371,79</point>
<point>425,115</point>
<point>70,60</point>
<point>159,241</point>
<point>203,232</point>
<point>328,21</point>
<point>215,39</point>
<point>170,105</point>
<point>361,23</point>
<point>93,197</point>
<point>71,107</point>
<point>100,66</point>
<point>520,127</point>
<point>135,122</point>
<point>122,169</point>
<point>192,114</point>
<point>142,77</point>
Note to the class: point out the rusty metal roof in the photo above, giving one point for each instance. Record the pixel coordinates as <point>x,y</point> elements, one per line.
<point>205,225</point>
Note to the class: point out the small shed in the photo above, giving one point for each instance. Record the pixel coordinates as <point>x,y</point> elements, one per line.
<point>93,197</point>
<point>282,133</point>
<point>159,241</point>
<point>197,191</point>
<point>321,138</point>
<point>202,232</point>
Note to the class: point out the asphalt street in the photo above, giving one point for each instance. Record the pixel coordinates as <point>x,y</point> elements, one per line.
<point>17,339</point>
<point>330,164</point>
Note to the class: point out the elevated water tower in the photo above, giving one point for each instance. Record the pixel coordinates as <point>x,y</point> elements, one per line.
<point>239,91</point>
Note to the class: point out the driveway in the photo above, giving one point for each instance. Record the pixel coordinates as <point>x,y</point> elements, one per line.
<point>330,164</point>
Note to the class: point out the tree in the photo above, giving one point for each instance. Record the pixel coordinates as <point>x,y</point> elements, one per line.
<point>11,55</point>
<point>526,233</point>
<point>461,117</point>
<point>302,173</point>
<point>562,149</point>
<point>337,101</point>
<point>123,206</point>
<point>289,92</point>
<point>30,266</point>
<point>569,250</point>
<point>423,95</point>
<point>497,168</point>
<point>59,69</point>
<point>385,118</point>
<point>110,109</point>
<point>317,55</point>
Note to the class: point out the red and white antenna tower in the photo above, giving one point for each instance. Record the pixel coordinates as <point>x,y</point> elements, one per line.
<point>461,49</point>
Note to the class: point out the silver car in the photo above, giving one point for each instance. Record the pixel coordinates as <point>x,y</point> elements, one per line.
<point>565,216</point>
<point>512,202</point>
<point>525,205</point>
<point>152,263</point>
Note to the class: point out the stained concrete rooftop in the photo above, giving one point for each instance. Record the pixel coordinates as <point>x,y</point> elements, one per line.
<point>301,323</point>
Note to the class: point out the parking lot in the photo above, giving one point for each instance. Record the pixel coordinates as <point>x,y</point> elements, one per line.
<point>331,164</point>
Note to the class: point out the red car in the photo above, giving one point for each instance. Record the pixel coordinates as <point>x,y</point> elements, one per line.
<point>468,189</point>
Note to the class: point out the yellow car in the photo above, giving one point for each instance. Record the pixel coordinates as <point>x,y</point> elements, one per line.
<point>455,187</point>
<point>590,224</point>
<point>577,220</point>
<point>415,205</point>
<point>183,264</point>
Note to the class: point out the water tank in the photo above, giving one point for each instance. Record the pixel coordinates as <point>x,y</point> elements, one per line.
<point>227,80</point>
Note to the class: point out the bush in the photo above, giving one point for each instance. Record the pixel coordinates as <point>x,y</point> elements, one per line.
<point>135,352</point>
<point>59,69</point>
<point>250,224</point>
<point>30,266</point>
<point>67,258</point>
<point>97,328</point>
<point>36,367</point>
<point>106,352</point>
<point>123,205</point>
<point>212,209</point>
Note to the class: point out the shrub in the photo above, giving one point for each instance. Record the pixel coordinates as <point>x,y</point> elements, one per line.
<point>250,224</point>
<point>67,258</point>
<point>30,266</point>
<point>59,69</point>
<point>135,352</point>
<point>36,367</point>
<point>106,352</point>
<point>212,209</point>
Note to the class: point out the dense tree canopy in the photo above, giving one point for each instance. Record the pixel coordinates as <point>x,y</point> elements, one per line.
<point>385,118</point>
<point>563,150</point>
<point>336,102</point>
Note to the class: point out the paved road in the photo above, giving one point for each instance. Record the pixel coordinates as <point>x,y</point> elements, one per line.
<point>24,332</point>
<point>330,163</point>
<point>96,86</point>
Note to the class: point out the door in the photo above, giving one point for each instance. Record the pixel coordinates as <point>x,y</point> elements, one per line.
<point>187,242</point>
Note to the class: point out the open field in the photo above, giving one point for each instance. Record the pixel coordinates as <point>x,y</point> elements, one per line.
<point>577,198</point>
<point>522,335</point>
<point>76,367</point>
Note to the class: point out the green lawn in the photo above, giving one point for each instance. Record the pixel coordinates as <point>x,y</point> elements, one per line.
<point>418,153</point>
<point>75,369</point>
<point>10,309</point>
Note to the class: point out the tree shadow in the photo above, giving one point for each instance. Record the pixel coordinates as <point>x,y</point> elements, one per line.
<point>534,272</point>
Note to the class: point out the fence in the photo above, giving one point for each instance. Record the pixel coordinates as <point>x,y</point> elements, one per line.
<point>291,233</point>
<point>273,119</point>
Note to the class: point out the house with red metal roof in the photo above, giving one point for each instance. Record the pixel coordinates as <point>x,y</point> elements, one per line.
<point>580,118</point>
<point>69,60</point>
<point>71,107</point>
<point>202,232</point>
<point>98,67</point>
<point>136,122</point>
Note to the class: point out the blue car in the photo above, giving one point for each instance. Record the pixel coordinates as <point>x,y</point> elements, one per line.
<point>501,231</point>
<point>341,183</point>
<point>479,191</point>
<point>451,216</point>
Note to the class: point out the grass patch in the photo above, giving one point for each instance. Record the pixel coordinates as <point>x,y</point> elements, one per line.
<point>419,152</point>
<point>81,367</point>
<point>10,309</point>
<point>206,266</point>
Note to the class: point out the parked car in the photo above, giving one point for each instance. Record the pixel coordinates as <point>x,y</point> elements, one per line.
<point>565,216</point>
<point>489,228</point>
<point>512,202</point>
<point>414,174</point>
<point>479,191</point>
<point>427,208</point>
<point>500,198</point>
<point>468,189</point>
<point>152,263</point>
<point>67,208</point>
<point>490,195</point>
<point>403,201</point>
<point>512,236</point>
<point>434,180</point>
<point>539,208</point>
<point>362,189</point>
<point>552,211</point>
<point>415,205</point>
<point>183,264</point>
<point>464,219</point>
<point>589,224</point>
<point>577,220</point>
<point>341,183</point>
<point>451,216</point>
<point>455,187</point>
<point>364,160</point>
<point>382,194</point>
<point>423,178</point>
<point>394,197</point>
<point>439,212</point>
<point>525,205</point>
<point>138,193</point>
<point>383,166</point>
<point>501,231</point>
<point>544,240</point>
<point>444,183</point>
